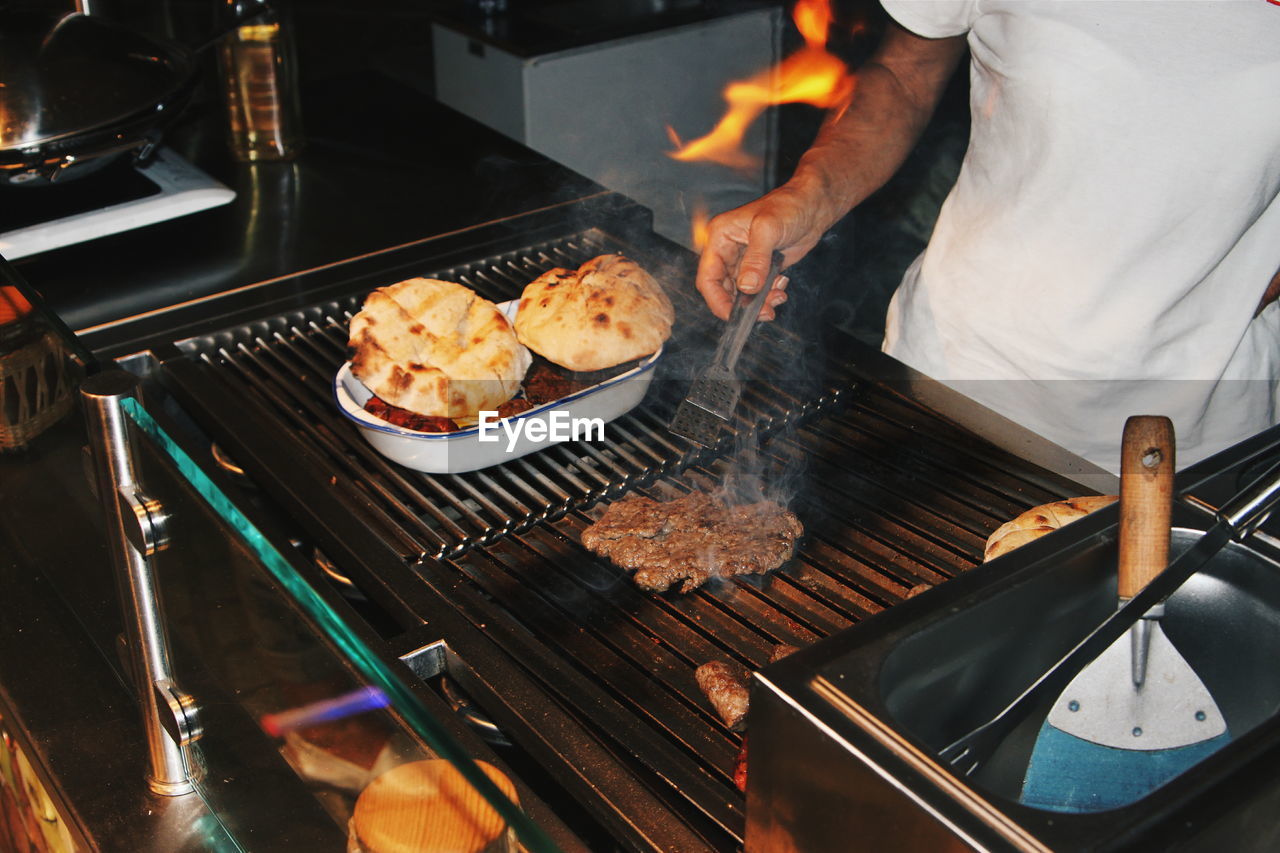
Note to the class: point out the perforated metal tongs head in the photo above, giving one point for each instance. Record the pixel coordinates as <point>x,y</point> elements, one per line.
<point>713,396</point>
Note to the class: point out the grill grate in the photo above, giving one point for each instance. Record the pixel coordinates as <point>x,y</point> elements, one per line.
<point>892,497</point>
<point>288,362</point>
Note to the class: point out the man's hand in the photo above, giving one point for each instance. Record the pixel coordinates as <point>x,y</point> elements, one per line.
<point>741,241</point>
<point>857,150</point>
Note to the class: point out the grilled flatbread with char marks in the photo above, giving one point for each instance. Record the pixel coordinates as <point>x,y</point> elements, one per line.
<point>607,312</point>
<point>436,348</point>
<point>1039,520</point>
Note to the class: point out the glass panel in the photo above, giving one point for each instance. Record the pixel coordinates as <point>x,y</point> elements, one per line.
<point>244,643</point>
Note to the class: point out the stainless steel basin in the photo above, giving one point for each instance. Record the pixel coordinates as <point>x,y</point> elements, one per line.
<point>845,735</point>
<point>954,674</point>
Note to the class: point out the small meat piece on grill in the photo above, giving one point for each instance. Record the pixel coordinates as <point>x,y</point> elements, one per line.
<point>740,767</point>
<point>726,686</point>
<point>406,419</point>
<point>692,538</point>
<point>719,676</point>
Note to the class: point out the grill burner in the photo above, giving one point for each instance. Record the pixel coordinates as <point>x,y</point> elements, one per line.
<point>590,675</point>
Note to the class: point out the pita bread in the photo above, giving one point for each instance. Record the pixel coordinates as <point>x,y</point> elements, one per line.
<point>1039,520</point>
<point>436,348</point>
<point>607,312</point>
<point>427,806</point>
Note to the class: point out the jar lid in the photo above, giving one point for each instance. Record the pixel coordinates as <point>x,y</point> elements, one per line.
<point>427,807</point>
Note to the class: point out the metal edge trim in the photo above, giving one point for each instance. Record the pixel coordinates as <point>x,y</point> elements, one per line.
<point>177,306</point>
<point>919,762</point>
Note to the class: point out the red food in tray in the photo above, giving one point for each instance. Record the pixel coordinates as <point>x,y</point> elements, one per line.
<point>547,382</point>
<point>544,383</point>
<point>406,419</point>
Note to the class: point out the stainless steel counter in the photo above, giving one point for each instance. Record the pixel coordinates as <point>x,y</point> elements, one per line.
<point>384,166</point>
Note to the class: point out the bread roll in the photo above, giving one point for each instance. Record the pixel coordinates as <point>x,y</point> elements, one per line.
<point>436,348</point>
<point>1040,520</point>
<point>427,807</point>
<point>607,312</point>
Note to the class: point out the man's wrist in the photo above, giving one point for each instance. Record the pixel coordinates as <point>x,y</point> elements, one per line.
<point>825,188</point>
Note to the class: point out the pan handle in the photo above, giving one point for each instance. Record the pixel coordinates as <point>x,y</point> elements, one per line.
<point>1146,501</point>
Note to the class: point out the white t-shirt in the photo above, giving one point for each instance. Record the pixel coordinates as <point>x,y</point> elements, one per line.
<point>1115,221</point>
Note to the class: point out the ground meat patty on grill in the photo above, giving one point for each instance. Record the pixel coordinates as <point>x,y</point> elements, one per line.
<point>692,538</point>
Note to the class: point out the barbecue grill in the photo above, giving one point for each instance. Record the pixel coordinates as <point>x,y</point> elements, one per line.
<point>590,679</point>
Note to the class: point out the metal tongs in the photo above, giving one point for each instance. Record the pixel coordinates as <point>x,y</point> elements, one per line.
<point>714,394</point>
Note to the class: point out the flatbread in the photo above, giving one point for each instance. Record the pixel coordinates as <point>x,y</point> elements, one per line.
<point>1039,520</point>
<point>436,348</point>
<point>607,312</point>
<point>427,807</point>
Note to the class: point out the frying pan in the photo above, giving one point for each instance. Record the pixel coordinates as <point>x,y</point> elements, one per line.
<point>80,91</point>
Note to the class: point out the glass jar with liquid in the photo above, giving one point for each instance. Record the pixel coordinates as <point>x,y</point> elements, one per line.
<point>259,73</point>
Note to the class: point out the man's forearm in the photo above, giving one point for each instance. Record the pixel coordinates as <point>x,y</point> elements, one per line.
<point>859,149</point>
<point>1271,294</point>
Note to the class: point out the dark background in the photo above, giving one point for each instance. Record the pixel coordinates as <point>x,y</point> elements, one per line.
<point>853,271</point>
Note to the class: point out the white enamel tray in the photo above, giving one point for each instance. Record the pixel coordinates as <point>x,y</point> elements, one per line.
<point>469,450</point>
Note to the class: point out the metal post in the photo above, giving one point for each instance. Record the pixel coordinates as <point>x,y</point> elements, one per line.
<point>135,530</point>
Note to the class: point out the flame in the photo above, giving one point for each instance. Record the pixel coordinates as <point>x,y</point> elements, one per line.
<point>701,233</point>
<point>813,20</point>
<point>811,75</point>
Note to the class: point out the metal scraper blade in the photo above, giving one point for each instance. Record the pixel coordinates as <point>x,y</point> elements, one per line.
<point>714,394</point>
<point>696,424</point>
<point>708,406</point>
<point>1172,708</point>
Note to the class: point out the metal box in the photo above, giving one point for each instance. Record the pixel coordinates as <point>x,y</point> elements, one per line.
<point>844,735</point>
<point>604,109</point>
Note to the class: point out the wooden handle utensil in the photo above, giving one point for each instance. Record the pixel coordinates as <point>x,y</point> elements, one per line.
<point>1146,501</point>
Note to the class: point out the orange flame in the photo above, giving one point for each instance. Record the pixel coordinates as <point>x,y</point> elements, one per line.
<point>701,231</point>
<point>811,75</point>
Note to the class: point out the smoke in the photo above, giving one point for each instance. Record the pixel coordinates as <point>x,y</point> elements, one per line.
<point>780,377</point>
<point>773,470</point>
